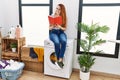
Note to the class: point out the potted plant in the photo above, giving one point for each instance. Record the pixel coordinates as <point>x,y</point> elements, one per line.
<point>13,46</point>
<point>91,39</point>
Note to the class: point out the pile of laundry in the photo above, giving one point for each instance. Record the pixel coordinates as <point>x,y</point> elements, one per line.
<point>9,64</point>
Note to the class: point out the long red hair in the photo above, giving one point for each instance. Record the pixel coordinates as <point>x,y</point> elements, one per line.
<point>63,14</point>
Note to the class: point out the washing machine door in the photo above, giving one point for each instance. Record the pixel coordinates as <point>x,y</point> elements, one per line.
<point>49,61</point>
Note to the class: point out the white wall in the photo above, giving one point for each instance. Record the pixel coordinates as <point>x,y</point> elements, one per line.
<point>1,15</point>
<point>10,16</point>
<point>102,64</point>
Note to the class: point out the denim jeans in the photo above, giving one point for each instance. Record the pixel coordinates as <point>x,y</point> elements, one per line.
<point>59,39</point>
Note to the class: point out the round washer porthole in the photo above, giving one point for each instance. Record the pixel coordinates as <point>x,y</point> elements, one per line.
<point>50,60</point>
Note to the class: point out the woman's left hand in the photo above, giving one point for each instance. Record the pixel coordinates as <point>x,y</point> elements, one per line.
<point>59,26</point>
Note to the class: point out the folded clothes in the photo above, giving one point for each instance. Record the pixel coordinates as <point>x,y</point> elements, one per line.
<point>32,53</point>
<point>14,65</point>
<point>9,64</point>
<point>3,64</point>
<point>37,52</point>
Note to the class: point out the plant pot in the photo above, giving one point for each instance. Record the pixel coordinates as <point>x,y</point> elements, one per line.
<point>13,49</point>
<point>84,75</point>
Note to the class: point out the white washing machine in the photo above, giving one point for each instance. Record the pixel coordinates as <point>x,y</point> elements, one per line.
<point>50,68</point>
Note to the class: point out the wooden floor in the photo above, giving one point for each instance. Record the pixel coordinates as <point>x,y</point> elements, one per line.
<point>28,75</point>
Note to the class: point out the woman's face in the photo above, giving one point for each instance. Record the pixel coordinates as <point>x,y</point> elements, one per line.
<point>58,10</point>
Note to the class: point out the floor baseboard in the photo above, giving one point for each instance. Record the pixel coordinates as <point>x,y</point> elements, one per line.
<point>101,74</point>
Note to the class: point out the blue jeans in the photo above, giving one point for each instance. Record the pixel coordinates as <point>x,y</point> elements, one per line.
<point>59,39</point>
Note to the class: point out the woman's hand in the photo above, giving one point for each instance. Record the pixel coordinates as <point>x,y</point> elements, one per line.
<point>51,27</point>
<point>62,28</point>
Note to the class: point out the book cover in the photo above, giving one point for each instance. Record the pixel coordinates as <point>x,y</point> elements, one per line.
<point>55,20</point>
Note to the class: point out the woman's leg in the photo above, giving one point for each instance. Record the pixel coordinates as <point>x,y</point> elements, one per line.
<point>55,39</point>
<point>63,41</point>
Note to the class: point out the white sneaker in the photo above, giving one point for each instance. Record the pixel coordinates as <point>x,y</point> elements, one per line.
<point>58,65</point>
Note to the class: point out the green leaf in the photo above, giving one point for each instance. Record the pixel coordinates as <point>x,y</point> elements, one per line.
<point>83,44</point>
<point>98,42</point>
<point>83,27</point>
<point>104,29</point>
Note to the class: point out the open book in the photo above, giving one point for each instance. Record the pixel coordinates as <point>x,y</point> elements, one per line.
<point>55,20</point>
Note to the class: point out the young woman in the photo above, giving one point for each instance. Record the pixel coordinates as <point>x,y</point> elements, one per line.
<point>58,36</point>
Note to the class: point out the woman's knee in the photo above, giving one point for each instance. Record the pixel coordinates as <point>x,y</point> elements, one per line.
<point>57,43</point>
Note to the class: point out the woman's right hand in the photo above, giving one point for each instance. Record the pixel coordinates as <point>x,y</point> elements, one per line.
<point>51,27</point>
